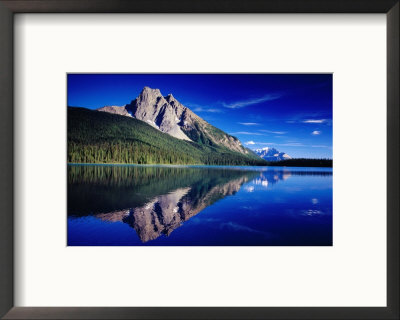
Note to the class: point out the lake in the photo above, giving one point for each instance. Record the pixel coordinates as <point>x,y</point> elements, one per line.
<point>140,205</point>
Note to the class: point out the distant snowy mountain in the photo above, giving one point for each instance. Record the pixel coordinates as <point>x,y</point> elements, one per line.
<point>271,154</point>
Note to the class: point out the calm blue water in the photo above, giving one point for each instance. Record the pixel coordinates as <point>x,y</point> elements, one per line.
<point>126,205</point>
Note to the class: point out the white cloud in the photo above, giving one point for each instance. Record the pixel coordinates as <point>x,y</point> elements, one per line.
<point>274,132</point>
<point>249,123</point>
<point>248,133</point>
<point>316,132</point>
<point>248,102</point>
<point>320,146</point>
<point>202,109</point>
<point>199,108</point>
<point>265,143</point>
<point>314,121</point>
<point>291,144</point>
<point>249,142</point>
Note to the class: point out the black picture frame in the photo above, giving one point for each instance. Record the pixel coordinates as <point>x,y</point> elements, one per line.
<point>10,7</point>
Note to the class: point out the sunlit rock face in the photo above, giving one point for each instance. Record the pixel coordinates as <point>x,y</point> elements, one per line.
<point>168,115</point>
<point>151,107</point>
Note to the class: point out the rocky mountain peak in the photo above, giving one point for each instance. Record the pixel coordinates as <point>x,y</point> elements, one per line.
<point>150,91</point>
<point>151,107</point>
<point>170,97</point>
<point>149,95</point>
<point>169,116</point>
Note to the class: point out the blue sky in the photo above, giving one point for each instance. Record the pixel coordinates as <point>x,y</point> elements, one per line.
<point>291,112</point>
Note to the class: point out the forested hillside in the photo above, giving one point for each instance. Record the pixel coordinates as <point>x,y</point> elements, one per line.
<point>99,137</point>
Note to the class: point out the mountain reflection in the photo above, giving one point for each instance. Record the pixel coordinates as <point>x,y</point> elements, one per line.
<point>155,200</point>
<point>167,212</point>
<point>271,177</point>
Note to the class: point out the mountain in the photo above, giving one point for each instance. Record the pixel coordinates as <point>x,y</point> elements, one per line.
<point>104,137</point>
<point>165,213</point>
<point>168,115</point>
<point>116,110</point>
<point>271,154</point>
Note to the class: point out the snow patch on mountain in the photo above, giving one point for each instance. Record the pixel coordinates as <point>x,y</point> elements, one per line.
<point>271,154</point>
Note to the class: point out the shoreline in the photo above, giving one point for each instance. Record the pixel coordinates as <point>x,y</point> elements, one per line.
<point>188,165</point>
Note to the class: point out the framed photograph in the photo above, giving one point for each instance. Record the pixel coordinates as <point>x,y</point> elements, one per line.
<point>154,164</point>
<point>167,159</point>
